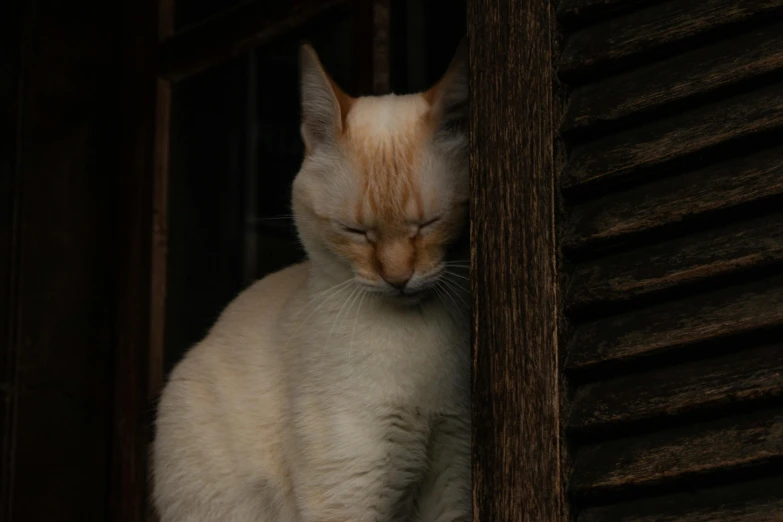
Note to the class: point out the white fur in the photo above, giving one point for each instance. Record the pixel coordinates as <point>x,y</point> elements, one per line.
<point>380,116</point>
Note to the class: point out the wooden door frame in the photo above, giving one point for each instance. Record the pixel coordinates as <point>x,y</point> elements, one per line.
<point>517,471</point>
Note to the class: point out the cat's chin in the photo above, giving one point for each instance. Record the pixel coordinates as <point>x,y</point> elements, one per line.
<point>408,300</point>
<point>413,299</point>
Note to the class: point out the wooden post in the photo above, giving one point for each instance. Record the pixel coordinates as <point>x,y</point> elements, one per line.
<point>516,428</point>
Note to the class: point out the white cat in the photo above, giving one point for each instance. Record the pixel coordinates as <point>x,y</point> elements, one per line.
<point>337,390</point>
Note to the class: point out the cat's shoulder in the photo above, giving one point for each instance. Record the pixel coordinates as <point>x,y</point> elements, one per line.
<point>286,280</point>
<point>252,320</point>
<point>273,290</point>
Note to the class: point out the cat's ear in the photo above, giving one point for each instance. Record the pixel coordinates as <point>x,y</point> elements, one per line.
<point>449,97</point>
<point>324,104</point>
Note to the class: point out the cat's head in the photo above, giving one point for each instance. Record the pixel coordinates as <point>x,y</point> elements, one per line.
<point>382,194</point>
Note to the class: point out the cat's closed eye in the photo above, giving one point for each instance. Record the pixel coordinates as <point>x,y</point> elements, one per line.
<point>429,223</point>
<point>356,232</point>
<point>422,227</point>
<point>352,230</point>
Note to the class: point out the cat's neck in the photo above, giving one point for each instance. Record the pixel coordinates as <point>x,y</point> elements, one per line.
<point>323,279</point>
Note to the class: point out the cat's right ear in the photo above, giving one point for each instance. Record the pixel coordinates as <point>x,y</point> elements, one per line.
<point>449,98</point>
<point>324,105</point>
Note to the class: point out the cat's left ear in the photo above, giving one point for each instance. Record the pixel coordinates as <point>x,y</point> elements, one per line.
<point>324,105</point>
<point>449,98</point>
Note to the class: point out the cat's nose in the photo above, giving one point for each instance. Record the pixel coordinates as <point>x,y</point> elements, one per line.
<point>397,282</point>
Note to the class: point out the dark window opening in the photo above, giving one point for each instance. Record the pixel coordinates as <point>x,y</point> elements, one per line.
<point>236,147</point>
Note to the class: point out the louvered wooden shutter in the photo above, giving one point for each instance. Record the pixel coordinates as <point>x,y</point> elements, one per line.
<point>671,239</point>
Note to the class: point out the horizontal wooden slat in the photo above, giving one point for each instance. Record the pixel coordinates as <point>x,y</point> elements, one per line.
<point>573,9</point>
<point>699,71</point>
<point>725,312</point>
<point>676,199</point>
<point>717,252</point>
<point>722,445</point>
<point>656,26</point>
<point>743,375</point>
<point>235,30</point>
<point>753,501</point>
<point>617,155</point>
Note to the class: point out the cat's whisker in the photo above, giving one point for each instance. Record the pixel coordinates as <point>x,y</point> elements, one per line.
<point>449,310</point>
<point>339,313</point>
<point>353,330</point>
<point>450,273</point>
<point>317,300</point>
<point>282,217</point>
<point>448,294</point>
<point>440,297</point>
<point>453,291</point>
<point>456,289</point>
<point>456,278</point>
<point>318,294</point>
<point>335,290</point>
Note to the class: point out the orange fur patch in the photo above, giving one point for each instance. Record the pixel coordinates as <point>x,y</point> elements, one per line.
<point>390,196</point>
<point>387,163</point>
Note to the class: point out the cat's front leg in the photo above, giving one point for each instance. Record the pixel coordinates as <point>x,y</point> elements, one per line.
<point>445,493</point>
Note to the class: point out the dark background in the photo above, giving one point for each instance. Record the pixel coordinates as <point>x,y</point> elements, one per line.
<point>76,101</point>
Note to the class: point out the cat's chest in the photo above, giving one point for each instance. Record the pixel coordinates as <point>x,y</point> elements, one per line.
<point>419,361</point>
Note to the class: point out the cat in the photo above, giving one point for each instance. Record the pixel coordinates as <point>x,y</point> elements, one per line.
<point>338,389</point>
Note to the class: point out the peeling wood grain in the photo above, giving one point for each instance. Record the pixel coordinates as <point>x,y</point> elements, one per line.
<point>618,155</point>
<point>516,452</point>
<point>659,25</point>
<point>695,72</point>
<point>738,247</point>
<point>753,501</point>
<point>724,312</point>
<point>676,199</point>
<point>743,375</point>
<point>720,445</point>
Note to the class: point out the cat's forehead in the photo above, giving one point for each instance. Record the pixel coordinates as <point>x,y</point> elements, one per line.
<point>382,117</point>
<point>386,137</point>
